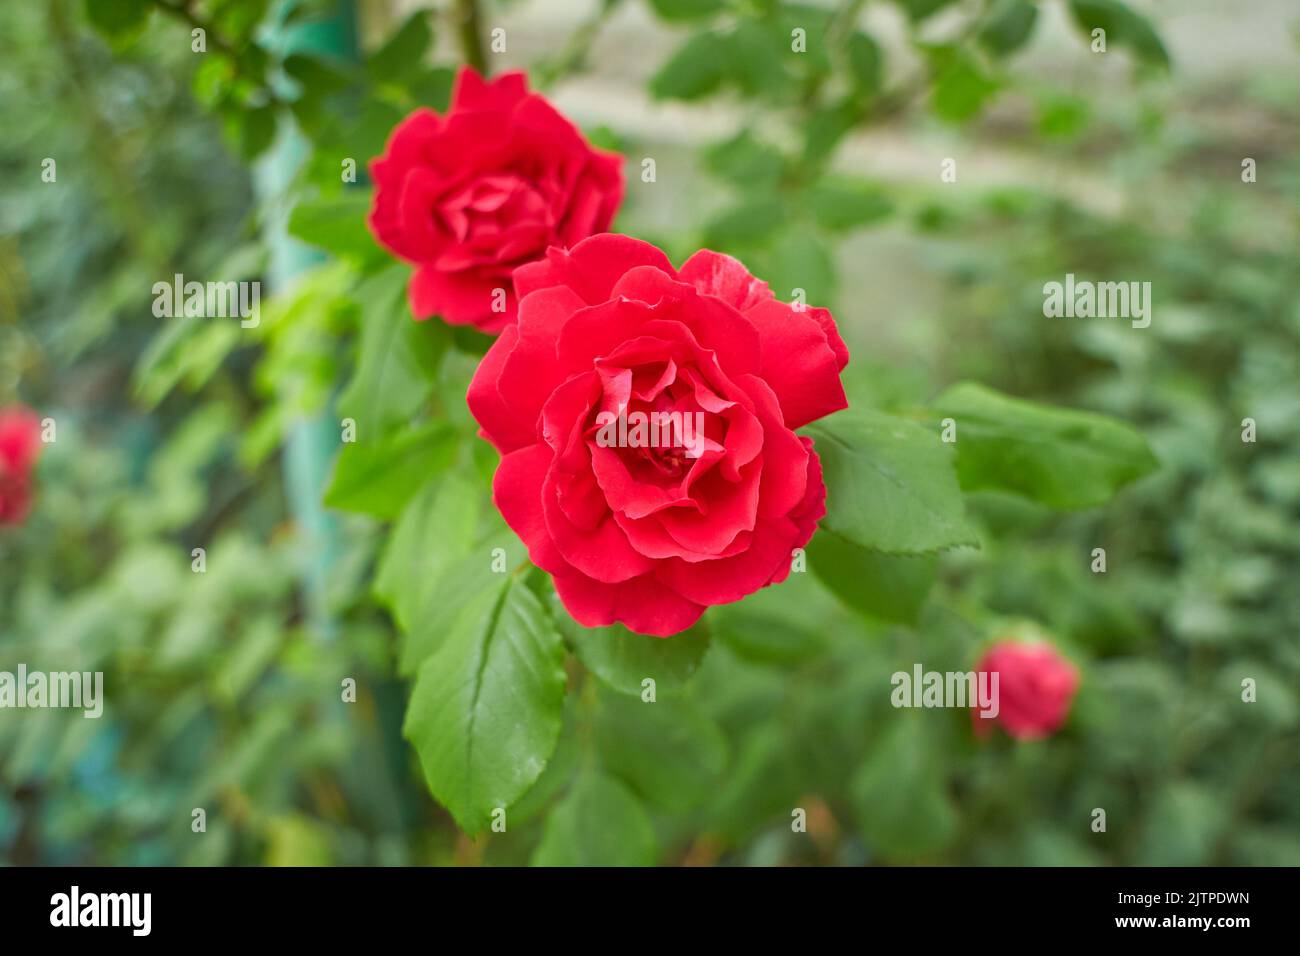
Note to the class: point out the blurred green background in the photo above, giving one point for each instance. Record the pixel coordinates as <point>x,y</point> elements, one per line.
<point>823,172</point>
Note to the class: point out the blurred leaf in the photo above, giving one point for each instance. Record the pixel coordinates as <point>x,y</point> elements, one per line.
<point>253,130</point>
<point>667,751</point>
<point>918,10</point>
<point>397,359</point>
<point>486,709</point>
<point>697,68</point>
<point>337,224</point>
<point>1008,27</point>
<point>752,221</point>
<point>297,840</point>
<point>1124,27</point>
<point>961,88</point>
<point>1063,116</point>
<point>890,587</point>
<point>118,20</point>
<point>889,484</point>
<point>760,637</point>
<point>745,161</point>
<point>755,59</point>
<point>402,55</point>
<point>1060,457</point>
<point>377,476</point>
<point>799,259</point>
<point>598,824</point>
<point>686,10</point>
<point>865,63</point>
<point>902,801</point>
<point>840,203</point>
<point>827,126</point>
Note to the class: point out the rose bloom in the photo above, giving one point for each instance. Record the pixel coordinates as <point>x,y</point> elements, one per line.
<point>653,534</point>
<point>469,196</point>
<point>20,444</point>
<point>1035,688</point>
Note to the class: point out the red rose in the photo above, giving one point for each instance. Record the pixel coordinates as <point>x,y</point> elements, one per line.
<point>469,196</point>
<point>20,444</point>
<point>651,533</point>
<point>1035,688</point>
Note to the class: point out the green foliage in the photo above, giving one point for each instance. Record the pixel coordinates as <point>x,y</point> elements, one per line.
<point>623,659</point>
<point>1060,457</point>
<point>487,706</point>
<point>179,434</point>
<point>889,484</point>
<point>598,824</point>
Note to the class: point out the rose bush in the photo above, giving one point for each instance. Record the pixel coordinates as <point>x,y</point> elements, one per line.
<point>469,196</point>
<point>20,445</point>
<point>1036,686</point>
<point>651,536</point>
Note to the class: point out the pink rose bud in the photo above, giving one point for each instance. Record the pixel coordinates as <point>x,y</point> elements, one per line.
<point>1033,690</point>
<point>20,444</point>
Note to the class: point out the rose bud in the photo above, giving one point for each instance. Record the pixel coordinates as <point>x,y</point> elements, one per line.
<point>20,445</point>
<point>469,196</point>
<point>1034,688</point>
<point>645,417</point>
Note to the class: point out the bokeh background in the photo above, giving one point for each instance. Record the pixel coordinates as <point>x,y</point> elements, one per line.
<point>822,172</point>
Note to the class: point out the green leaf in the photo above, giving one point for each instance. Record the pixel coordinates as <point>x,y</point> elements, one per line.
<point>686,10</point>
<point>782,624</point>
<point>1009,26</point>
<point>1124,27</point>
<point>799,259</point>
<point>890,484</point>
<point>903,806</point>
<point>890,587</point>
<point>746,161</point>
<point>757,54</point>
<point>402,55</point>
<point>118,20</point>
<point>961,88</point>
<point>486,709</point>
<point>1059,457</point>
<point>252,130</point>
<point>435,532</point>
<point>865,63</point>
<point>840,203</point>
<point>749,223</point>
<point>378,475</point>
<point>397,360</point>
<point>828,125</point>
<point>337,224</point>
<point>316,76</point>
<point>918,10</point>
<point>623,659</point>
<point>757,637</point>
<point>697,68</point>
<point>599,823</point>
<point>667,751</point>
